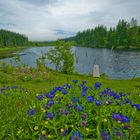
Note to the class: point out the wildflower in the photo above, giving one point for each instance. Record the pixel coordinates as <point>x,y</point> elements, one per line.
<point>67,86</point>
<point>98,102</point>
<point>64,91</point>
<point>105,135</point>
<point>36,128</point>
<point>75,99</point>
<point>83,94</point>
<point>119,117</point>
<point>49,95</point>
<point>79,108</point>
<point>50,115</point>
<point>43,132</point>
<point>40,97</point>
<point>137,106</point>
<point>64,132</point>
<point>69,105</point>
<point>31,111</point>
<point>50,103</point>
<point>87,129</point>
<point>90,99</point>
<point>76,136</point>
<point>84,116</point>
<point>105,120</point>
<point>84,88</point>
<point>83,124</point>
<point>75,81</point>
<point>46,122</point>
<point>97,85</point>
<point>43,110</point>
<point>122,94</point>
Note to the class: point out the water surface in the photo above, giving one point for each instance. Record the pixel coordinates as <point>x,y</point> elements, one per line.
<point>116,64</point>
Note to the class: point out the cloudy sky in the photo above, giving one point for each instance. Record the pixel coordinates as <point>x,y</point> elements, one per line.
<point>52,19</point>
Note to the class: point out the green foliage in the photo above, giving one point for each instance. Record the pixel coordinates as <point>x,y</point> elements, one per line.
<point>125,35</point>
<point>62,57</point>
<point>8,38</point>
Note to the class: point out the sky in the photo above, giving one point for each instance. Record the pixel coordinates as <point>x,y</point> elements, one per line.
<point>46,20</point>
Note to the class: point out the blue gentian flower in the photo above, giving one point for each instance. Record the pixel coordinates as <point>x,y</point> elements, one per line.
<point>79,108</point>
<point>50,103</point>
<point>97,85</point>
<point>50,115</point>
<point>105,135</point>
<point>75,99</point>
<point>120,118</point>
<point>84,88</point>
<point>75,81</point>
<point>64,91</point>
<point>69,105</point>
<point>76,136</point>
<point>83,94</point>
<point>31,111</point>
<point>98,102</point>
<point>67,86</point>
<point>90,99</point>
<point>40,97</point>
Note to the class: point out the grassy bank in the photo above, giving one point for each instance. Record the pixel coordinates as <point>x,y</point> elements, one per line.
<point>24,114</point>
<point>10,51</point>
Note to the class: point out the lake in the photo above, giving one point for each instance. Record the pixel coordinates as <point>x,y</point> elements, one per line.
<point>116,64</point>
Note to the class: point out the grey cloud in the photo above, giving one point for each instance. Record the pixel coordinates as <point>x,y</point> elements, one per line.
<point>52,19</point>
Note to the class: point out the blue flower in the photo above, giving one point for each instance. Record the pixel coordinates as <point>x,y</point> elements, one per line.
<point>64,133</point>
<point>67,86</point>
<point>97,85</point>
<point>49,95</point>
<point>75,81</point>
<point>90,99</point>
<point>75,99</point>
<point>120,118</point>
<point>69,105</point>
<point>83,94</point>
<point>79,108</point>
<point>137,106</point>
<point>50,115</point>
<point>40,97</point>
<point>31,111</point>
<point>84,88</point>
<point>122,94</point>
<point>76,136</point>
<point>64,91</point>
<point>50,103</point>
<point>105,135</point>
<point>98,102</point>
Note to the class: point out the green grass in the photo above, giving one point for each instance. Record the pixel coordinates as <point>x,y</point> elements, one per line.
<point>16,124</point>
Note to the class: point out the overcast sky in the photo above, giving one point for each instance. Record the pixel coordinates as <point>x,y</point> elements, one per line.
<point>52,19</point>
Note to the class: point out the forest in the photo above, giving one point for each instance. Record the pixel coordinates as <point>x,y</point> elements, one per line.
<point>12,39</point>
<point>126,35</point>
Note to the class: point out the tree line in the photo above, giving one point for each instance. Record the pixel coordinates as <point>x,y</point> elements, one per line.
<point>124,36</point>
<point>8,39</point>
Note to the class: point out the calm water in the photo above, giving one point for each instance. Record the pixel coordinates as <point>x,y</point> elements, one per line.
<point>116,64</point>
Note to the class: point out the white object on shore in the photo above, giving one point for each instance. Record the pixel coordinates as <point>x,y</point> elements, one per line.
<point>96,71</point>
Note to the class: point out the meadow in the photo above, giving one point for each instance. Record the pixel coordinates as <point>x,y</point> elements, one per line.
<point>42,104</point>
